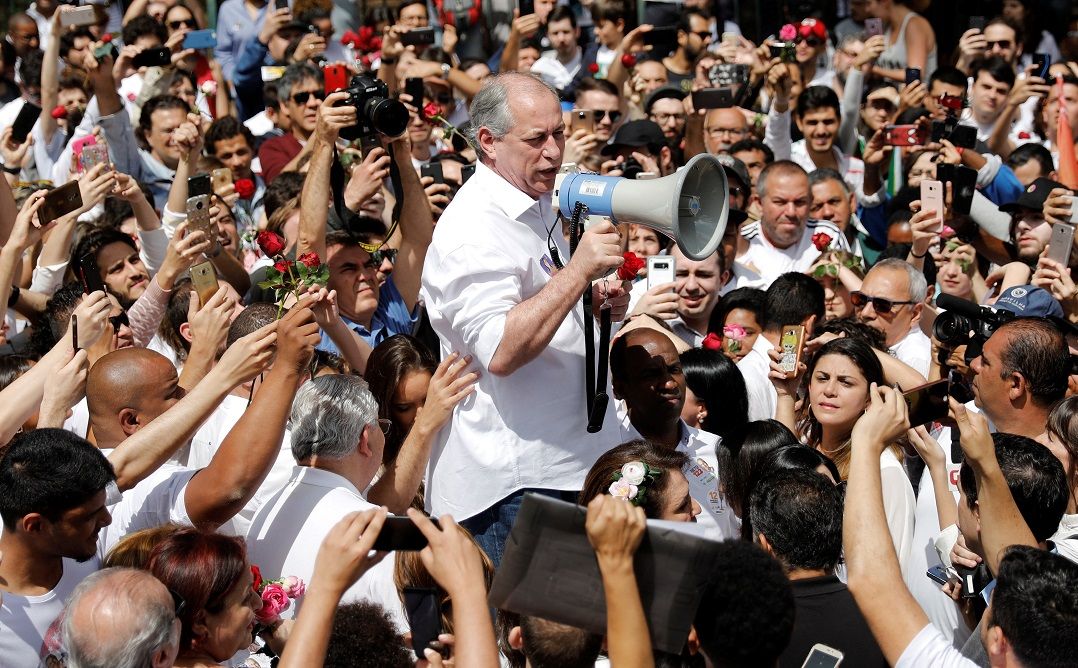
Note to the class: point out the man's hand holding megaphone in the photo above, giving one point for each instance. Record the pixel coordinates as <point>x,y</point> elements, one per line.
<point>598,256</point>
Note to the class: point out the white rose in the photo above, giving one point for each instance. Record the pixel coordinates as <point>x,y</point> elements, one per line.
<point>633,473</point>
<point>623,490</point>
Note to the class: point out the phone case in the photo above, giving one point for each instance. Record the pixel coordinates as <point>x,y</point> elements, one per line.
<point>661,270</point>
<point>91,156</point>
<point>1059,248</point>
<point>1042,62</point>
<point>204,278</point>
<point>418,37</point>
<point>160,57</point>
<point>413,86</point>
<point>433,170</point>
<point>712,98</point>
<point>932,198</point>
<point>24,122</point>
<point>873,27</point>
<point>200,39</point>
<point>466,172</point>
<point>221,178</point>
<point>61,201</point>
<point>80,16</point>
<point>399,533</point>
<point>582,118</point>
<point>903,135</point>
<point>90,275</point>
<point>336,78</point>
<point>198,214</point>
<point>424,616</point>
<point>791,342</point>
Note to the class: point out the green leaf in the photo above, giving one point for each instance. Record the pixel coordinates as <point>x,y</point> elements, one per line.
<point>832,270</point>
<point>266,285</point>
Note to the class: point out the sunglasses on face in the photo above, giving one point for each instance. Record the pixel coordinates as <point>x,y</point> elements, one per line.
<point>300,99</point>
<point>811,41</point>
<point>189,23</point>
<point>880,304</point>
<point>1002,44</point>
<point>118,321</point>
<point>703,34</point>
<point>380,256</point>
<point>599,114</point>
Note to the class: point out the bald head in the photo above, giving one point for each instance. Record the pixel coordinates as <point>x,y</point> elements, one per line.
<point>120,617</point>
<point>641,341</point>
<point>126,389</point>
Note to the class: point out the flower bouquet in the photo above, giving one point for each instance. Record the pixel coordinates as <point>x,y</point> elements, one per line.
<point>822,242</point>
<point>287,277</point>
<point>277,595</point>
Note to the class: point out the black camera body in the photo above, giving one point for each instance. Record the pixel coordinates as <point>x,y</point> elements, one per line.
<point>631,168</point>
<point>967,324</point>
<point>376,112</point>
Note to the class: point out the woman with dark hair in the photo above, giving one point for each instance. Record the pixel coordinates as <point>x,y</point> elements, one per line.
<point>210,572</point>
<point>793,457</point>
<point>738,467</point>
<point>416,395</point>
<point>837,383</point>
<point>646,476</point>
<point>715,397</point>
<point>1061,437</point>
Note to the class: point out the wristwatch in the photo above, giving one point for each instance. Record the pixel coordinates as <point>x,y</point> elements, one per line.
<point>13,298</point>
<point>445,71</point>
<point>12,170</point>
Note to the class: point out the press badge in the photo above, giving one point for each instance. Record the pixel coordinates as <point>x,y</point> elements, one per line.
<point>547,264</point>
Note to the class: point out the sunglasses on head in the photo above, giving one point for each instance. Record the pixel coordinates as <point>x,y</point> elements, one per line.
<point>880,304</point>
<point>599,114</point>
<point>119,320</point>
<point>301,98</point>
<point>189,23</point>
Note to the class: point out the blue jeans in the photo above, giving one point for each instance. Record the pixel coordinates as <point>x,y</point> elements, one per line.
<point>492,526</point>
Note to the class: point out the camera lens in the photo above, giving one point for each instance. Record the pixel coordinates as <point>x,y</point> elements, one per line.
<point>389,117</point>
<point>631,168</point>
<point>952,329</point>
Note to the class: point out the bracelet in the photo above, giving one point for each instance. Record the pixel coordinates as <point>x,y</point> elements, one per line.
<point>918,256</point>
<point>12,170</point>
<point>13,298</point>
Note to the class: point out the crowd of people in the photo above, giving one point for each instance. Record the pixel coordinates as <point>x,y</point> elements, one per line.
<point>294,331</point>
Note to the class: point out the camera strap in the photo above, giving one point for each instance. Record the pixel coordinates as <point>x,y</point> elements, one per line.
<point>337,185</point>
<point>594,375</point>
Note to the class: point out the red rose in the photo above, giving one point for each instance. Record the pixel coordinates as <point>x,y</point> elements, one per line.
<point>58,112</point>
<point>430,110</point>
<point>628,60</point>
<point>712,342</point>
<point>350,37</point>
<point>271,243</point>
<point>593,68</point>
<point>310,259</point>
<point>106,38</point>
<point>821,241</point>
<point>245,188</point>
<point>282,266</point>
<point>633,264</point>
<point>257,574</point>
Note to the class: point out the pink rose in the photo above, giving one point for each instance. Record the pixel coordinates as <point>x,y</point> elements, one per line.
<point>788,32</point>
<point>274,602</point>
<point>621,489</point>
<point>295,586</point>
<point>734,332</point>
<point>947,232</point>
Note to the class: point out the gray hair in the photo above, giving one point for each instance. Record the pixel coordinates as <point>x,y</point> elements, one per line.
<point>490,106</point>
<point>129,623</point>
<point>328,416</point>
<point>918,282</point>
<point>825,174</point>
<point>296,73</point>
<point>784,167</point>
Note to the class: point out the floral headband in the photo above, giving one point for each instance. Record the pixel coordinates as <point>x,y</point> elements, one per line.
<point>632,481</point>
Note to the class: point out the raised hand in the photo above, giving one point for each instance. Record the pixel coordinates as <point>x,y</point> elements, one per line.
<point>297,335</point>
<point>92,314</point>
<point>450,384</point>
<point>885,420</point>
<point>451,557</point>
<point>345,554</point>
<point>249,356</point>
<point>615,529</point>
<point>209,322</point>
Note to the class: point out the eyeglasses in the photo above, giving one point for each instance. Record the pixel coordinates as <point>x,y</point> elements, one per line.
<point>178,603</point>
<point>301,98</point>
<point>189,23</point>
<point>599,114</point>
<point>1003,44</point>
<point>880,304</point>
<point>663,118</point>
<point>118,321</point>
<point>379,256</point>
<point>385,425</point>
<point>736,132</point>
<point>703,34</point>
<point>811,41</point>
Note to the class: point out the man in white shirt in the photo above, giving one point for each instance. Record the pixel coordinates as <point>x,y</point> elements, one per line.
<point>52,501</point>
<point>782,240</point>
<point>647,375</point>
<point>337,444</point>
<point>993,79</point>
<point>560,66</point>
<point>492,290</point>
<point>890,300</point>
<point>793,299</point>
<point>818,116</point>
<point>697,286</point>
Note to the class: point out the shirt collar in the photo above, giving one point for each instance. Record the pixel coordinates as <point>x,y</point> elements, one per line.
<point>511,200</point>
<point>309,475</point>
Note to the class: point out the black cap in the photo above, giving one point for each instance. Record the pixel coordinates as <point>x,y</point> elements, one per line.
<point>635,134</point>
<point>735,168</point>
<point>1034,196</point>
<point>662,92</point>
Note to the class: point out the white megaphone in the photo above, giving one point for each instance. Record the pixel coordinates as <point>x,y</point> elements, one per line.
<point>691,206</point>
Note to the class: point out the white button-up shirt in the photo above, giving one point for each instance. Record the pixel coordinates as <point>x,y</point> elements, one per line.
<point>527,429</point>
<point>755,367</point>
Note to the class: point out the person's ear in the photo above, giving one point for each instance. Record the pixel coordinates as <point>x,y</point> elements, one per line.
<point>1019,386</point>
<point>185,332</point>
<point>364,445</point>
<point>486,143</point>
<point>32,523</point>
<point>701,412</point>
<point>199,628</point>
<point>995,644</point>
<point>516,638</point>
<point>616,386</point>
<point>764,543</point>
<point>797,120</point>
<point>724,278</point>
<point>916,310</point>
<point>129,420</point>
<point>810,325</point>
<point>666,160</point>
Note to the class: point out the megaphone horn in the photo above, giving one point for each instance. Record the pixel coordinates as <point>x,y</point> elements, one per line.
<point>691,206</point>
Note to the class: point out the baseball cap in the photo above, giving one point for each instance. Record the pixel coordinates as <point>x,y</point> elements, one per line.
<point>1027,301</point>
<point>635,134</point>
<point>1034,196</point>
<point>663,92</point>
<point>735,168</point>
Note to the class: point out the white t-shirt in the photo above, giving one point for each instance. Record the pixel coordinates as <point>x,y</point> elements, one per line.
<point>851,168</point>
<point>899,505</point>
<point>157,500</point>
<point>554,72</point>
<point>914,349</point>
<point>288,530</point>
<point>930,648</point>
<point>25,620</point>
<point>754,368</point>
<point>1066,537</point>
<point>762,263</point>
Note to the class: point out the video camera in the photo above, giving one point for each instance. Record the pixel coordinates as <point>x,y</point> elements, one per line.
<point>967,324</point>
<point>375,110</point>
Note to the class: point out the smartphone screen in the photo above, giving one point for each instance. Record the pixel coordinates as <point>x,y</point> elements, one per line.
<point>424,616</point>
<point>399,533</point>
<point>927,403</point>
<point>822,656</point>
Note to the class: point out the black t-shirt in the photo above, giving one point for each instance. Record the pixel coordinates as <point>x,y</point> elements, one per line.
<point>827,614</point>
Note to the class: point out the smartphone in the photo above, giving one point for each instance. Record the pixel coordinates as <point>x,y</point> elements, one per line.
<point>413,86</point>
<point>204,278</point>
<point>336,78</point>
<point>913,75</point>
<point>526,7</point>
<point>399,533</point>
<point>963,136</point>
<point>1059,248</point>
<point>1074,210</point>
<point>660,39</point>
<point>92,155</point>
<point>80,144</point>
<point>976,23</point>
<point>730,38</point>
<point>952,103</point>
<point>159,57</point>
<point>280,4</point>
<point>418,37</point>
<point>74,333</point>
<point>783,50</point>
<point>713,98</point>
<point>272,72</point>
<point>938,574</point>
<point>582,119</point>
<point>728,74</point>
<point>24,122</point>
<point>928,402</point>
<point>932,198</point>
<point>466,172</point>
<point>424,616</point>
<point>792,342</point>
<point>90,275</point>
<point>80,16</point>
<point>199,185</point>
<point>198,215</point>
<point>1041,63</point>
<point>433,170</point>
<point>367,144</point>
<point>822,656</point>
<point>661,270</point>
<point>220,178</point>
<point>963,185</point>
<point>904,135</point>
<point>60,202</point>
<point>873,27</point>
<point>200,39</point>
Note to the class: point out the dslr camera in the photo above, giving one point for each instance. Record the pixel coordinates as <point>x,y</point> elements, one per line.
<point>966,323</point>
<point>375,110</point>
